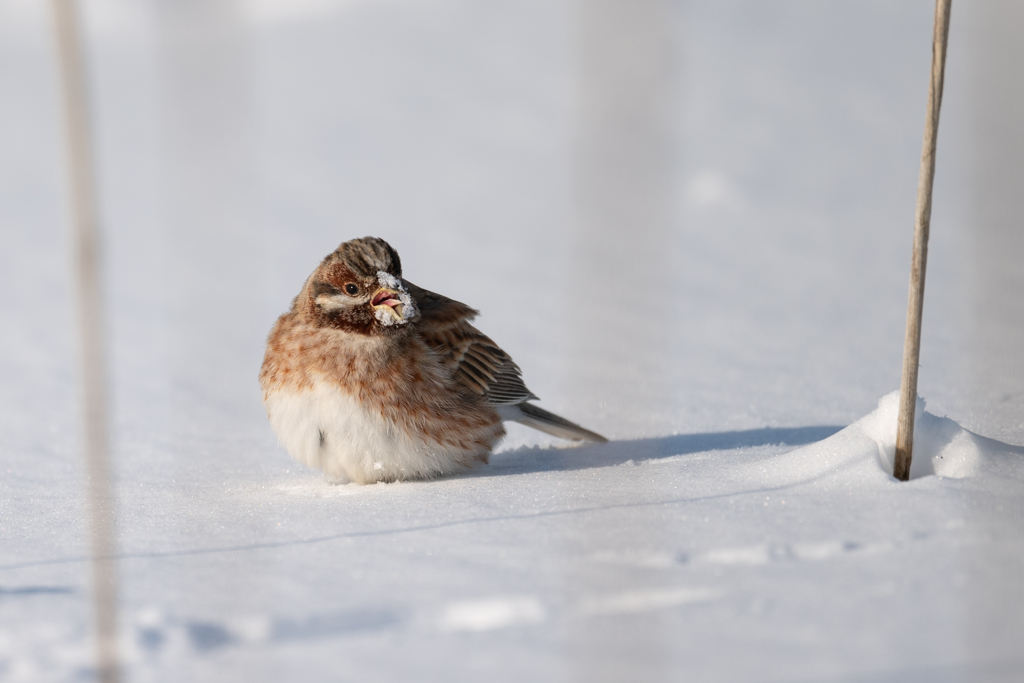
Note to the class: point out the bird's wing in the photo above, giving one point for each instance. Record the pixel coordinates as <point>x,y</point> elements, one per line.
<point>472,357</point>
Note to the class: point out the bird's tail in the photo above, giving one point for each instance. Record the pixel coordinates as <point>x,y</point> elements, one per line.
<point>549,423</point>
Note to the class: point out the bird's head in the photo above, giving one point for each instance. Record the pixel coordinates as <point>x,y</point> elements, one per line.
<point>359,288</point>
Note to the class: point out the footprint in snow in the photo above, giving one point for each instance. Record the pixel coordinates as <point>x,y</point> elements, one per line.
<point>782,552</point>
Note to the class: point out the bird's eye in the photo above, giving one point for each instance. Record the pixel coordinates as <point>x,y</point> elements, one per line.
<point>351,289</point>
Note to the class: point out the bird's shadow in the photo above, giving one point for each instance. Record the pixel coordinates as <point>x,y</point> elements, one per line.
<point>548,459</point>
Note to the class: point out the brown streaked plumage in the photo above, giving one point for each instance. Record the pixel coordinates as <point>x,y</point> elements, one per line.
<point>371,378</point>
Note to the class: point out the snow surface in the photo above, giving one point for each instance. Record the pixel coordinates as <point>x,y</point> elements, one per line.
<point>741,525</point>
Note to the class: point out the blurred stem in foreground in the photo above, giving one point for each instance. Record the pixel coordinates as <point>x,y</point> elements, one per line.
<point>93,368</point>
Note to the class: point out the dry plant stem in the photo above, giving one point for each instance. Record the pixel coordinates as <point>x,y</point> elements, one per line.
<point>86,256</point>
<point>922,224</point>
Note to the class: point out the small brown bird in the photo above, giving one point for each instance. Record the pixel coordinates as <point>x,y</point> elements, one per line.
<point>371,378</point>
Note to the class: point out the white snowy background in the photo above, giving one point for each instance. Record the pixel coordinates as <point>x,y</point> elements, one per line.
<point>720,304</point>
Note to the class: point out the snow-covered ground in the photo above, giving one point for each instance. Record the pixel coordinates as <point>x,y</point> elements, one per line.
<point>739,348</point>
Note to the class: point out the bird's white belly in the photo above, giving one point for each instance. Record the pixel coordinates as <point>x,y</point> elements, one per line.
<point>326,428</point>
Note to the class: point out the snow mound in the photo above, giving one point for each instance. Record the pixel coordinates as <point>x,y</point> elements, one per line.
<point>941,446</point>
<point>865,450</point>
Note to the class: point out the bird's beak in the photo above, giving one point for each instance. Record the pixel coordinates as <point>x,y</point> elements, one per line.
<point>387,300</point>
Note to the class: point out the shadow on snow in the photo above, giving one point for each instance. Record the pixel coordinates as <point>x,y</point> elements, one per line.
<point>537,459</point>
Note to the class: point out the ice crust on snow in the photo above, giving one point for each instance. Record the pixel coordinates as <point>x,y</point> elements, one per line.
<point>492,613</point>
<point>647,601</point>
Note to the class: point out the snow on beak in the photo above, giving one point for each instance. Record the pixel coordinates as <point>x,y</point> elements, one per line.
<point>386,301</point>
<point>391,304</point>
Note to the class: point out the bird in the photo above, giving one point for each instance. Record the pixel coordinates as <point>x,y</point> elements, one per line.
<point>370,378</point>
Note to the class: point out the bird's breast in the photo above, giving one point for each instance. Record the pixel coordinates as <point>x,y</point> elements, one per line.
<point>326,427</point>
